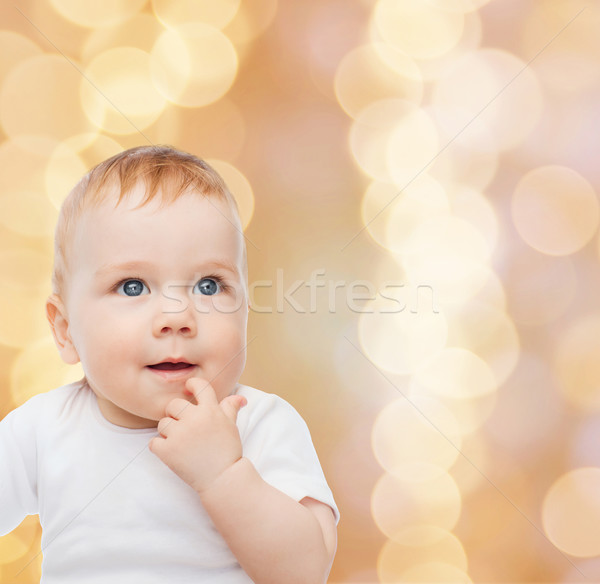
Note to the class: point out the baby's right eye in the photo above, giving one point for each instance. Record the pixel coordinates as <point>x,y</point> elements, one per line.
<point>132,288</point>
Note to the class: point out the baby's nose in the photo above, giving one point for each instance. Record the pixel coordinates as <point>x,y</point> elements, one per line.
<point>176,318</point>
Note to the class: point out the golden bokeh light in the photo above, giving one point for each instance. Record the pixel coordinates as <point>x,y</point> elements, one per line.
<point>22,315</point>
<point>534,299</point>
<point>373,72</point>
<point>577,363</point>
<point>458,5</point>
<point>416,438</point>
<point>70,161</point>
<point>239,186</point>
<point>371,132</point>
<point>193,64</point>
<point>555,210</point>
<point>412,146</point>
<point>391,214</point>
<point>433,573</point>
<point>394,558</point>
<point>468,153</point>
<point>493,88</point>
<point>456,373</point>
<point>24,269</point>
<point>399,504</point>
<point>251,20</point>
<point>139,32</point>
<point>97,14</point>
<point>15,48</point>
<point>39,368</point>
<point>118,93</point>
<point>449,255</point>
<point>398,339</point>
<point>471,205</point>
<point>418,29</point>
<point>217,14</point>
<point>59,115</point>
<point>28,213</point>
<point>571,512</point>
<point>488,331</point>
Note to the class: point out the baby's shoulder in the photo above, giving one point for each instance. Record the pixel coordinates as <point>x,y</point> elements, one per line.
<point>265,409</point>
<point>51,404</point>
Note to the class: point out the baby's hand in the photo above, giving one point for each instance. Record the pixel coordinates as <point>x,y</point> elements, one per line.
<point>199,442</point>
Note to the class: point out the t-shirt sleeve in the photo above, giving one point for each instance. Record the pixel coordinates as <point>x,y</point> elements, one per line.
<point>277,441</point>
<point>18,462</point>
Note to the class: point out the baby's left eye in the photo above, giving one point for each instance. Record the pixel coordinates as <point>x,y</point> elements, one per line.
<point>207,287</point>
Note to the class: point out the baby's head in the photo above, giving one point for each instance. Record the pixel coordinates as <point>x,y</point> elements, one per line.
<point>150,282</point>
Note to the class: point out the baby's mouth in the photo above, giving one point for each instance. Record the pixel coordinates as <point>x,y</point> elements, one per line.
<point>170,366</point>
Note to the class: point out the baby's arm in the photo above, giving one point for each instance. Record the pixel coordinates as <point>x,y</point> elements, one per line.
<point>274,538</point>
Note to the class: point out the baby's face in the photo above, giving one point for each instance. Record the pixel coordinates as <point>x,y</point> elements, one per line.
<point>156,296</point>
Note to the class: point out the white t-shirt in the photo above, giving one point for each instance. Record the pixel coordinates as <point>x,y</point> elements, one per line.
<point>111,511</point>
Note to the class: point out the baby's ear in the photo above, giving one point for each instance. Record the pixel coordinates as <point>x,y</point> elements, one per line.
<point>57,317</point>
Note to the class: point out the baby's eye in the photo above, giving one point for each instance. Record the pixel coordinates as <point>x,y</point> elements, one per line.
<point>207,286</point>
<point>132,288</point>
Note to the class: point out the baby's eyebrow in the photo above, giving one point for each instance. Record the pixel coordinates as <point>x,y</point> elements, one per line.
<point>122,267</point>
<point>137,266</point>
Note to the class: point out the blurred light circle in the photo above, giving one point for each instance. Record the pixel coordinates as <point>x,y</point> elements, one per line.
<point>555,210</point>
<point>417,28</point>
<point>139,32</point>
<point>397,339</point>
<point>217,14</point>
<point>97,14</point>
<point>448,255</point>
<point>468,153</point>
<point>193,64</point>
<point>487,331</point>
<point>240,188</point>
<point>471,205</point>
<point>456,373</point>
<point>371,132</point>
<point>70,160</point>
<point>577,362</point>
<point>12,548</point>
<point>457,5</point>
<point>480,86</point>
<point>470,40</point>
<point>571,512</point>
<point>533,297</point>
<point>28,213</point>
<point>118,94</point>
<point>24,269</point>
<point>416,438</point>
<point>518,424</point>
<point>39,368</point>
<point>58,115</point>
<point>412,146</point>
<point>363,77</point>
<point>434,573</point>
<point>395,558</point>
<point>397,505</point>
<point>251,20</point>
<point>15,48</point>
<point>22,314</point>
<point>220,129</point>
<point>391,214</point>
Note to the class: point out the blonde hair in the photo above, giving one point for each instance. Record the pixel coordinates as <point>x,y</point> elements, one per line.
<point>157,167</point>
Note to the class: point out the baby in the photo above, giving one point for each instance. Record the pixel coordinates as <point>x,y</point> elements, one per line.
<point>159,466</point>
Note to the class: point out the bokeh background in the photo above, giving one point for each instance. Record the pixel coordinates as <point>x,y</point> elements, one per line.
<point>432,167</point>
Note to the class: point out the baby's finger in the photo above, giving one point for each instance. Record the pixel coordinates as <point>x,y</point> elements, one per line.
<point>163,426</point>
<point>232,404</point>
<point>176,407</point>
<point>202,390</point>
